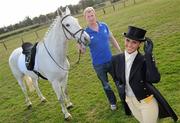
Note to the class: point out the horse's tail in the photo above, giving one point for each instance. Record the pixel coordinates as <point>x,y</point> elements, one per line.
<point>29,83</point>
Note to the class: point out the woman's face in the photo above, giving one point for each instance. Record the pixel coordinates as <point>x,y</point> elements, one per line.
<point>131,45</point>
<point>90,17</point>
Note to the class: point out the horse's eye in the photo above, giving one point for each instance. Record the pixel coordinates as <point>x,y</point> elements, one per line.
<point>67,25</point>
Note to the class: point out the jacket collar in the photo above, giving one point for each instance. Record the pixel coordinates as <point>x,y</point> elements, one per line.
<point>136,64</point>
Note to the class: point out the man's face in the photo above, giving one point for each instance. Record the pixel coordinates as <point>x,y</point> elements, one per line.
<point>131,45</point>
<point>90,17</point>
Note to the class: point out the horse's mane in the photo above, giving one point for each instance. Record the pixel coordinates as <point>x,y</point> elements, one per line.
<point>51,26</point>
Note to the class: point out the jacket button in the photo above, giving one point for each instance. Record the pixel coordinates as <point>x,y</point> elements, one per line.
<point>153,58</point>
<point>141,81</point>
<point>144,88</point>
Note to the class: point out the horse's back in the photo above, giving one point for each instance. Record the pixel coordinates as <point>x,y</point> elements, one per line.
<point>13,59</point>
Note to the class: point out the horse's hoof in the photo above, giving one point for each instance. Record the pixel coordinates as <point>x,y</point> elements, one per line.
<point>68,117</point>
<point>69,106</point>
<point>29,106</point>
<point>43,100</point>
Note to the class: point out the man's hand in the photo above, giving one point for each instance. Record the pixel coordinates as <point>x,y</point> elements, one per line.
<point>148,46</point>
<point>81,48</point>
<point>115,43</point>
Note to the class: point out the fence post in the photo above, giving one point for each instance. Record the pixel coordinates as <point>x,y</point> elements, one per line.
<point>104,11</point>
<point>113,7</point>
<point>22,40</point>
<point>124,1</point>
<point>4,45</point>
<point>37,36</point>
<point>134,1</point>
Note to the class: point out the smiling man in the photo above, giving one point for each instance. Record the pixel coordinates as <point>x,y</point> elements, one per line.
<point>100,39</point>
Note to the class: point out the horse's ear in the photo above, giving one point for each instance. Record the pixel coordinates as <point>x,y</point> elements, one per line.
<point>59,12</point>
<point>68,12</point>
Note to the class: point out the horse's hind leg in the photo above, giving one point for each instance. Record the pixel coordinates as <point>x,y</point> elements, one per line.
<point>35,83</point>
<point>65,92</point>
<point>19,77</point>
<point>13,64</point>
<point>59,93</point>
<point>23,87</point>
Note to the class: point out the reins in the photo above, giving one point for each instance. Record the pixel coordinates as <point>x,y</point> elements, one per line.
<point>66,69</point>
<point>77,61</point>
<point>73,35</point>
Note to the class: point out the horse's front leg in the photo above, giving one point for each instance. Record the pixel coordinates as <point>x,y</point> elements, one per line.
<point>59,93</point>
<point>65,92</point>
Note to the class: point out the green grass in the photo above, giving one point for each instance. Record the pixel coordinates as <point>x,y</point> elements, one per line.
<point>162,20</point>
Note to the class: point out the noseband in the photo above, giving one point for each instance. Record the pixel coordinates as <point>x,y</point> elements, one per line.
<point>72,34</point>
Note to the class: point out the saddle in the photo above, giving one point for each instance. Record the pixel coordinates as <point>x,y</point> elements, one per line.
<point>29,50</point>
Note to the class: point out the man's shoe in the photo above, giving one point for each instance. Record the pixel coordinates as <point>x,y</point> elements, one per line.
<point>113,107</point>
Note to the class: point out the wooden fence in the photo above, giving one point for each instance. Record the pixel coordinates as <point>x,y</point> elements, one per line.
<point>38,34</point>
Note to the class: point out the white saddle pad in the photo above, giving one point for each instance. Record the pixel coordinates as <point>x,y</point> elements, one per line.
<point>21,63</point>
<point>22,66</point>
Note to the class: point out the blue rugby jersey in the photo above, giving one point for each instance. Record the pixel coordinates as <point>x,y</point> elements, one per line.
<point>99,45</point>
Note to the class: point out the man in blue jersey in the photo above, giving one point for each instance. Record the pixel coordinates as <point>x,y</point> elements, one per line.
<point>100,37</point>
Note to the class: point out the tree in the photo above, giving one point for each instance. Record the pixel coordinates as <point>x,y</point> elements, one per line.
<point>77,8</point>
<point>27,21</point>
<point>36,20</point>
<point>113,1</point>
<point>86,3</point>
<point>42,19</point>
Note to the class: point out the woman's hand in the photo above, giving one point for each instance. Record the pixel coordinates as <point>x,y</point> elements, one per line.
<point>148,46</point>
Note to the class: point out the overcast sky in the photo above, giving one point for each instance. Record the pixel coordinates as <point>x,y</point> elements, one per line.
<point>13,11</point>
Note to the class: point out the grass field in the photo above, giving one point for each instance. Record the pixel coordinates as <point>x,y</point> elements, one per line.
<point>162,20</point>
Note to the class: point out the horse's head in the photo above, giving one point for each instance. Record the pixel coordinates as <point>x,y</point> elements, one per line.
<point>72,29</point>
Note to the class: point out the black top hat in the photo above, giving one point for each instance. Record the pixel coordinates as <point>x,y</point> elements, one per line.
<point>135,33</point>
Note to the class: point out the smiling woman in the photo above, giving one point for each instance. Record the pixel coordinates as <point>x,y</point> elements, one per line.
<point>31,8</point>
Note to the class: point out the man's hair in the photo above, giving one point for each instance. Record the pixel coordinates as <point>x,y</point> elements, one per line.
<point>88,9</point>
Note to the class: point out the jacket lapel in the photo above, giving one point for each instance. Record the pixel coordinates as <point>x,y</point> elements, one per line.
<point>122,66</point>
<point>136,64</point>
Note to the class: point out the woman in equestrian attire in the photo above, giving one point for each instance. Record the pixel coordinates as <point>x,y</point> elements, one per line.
<point>134,74</point>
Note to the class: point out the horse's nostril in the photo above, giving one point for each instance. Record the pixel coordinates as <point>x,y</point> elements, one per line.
<point>85,39</point>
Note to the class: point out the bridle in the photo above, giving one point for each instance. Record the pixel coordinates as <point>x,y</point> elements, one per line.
<point>72,34</point>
